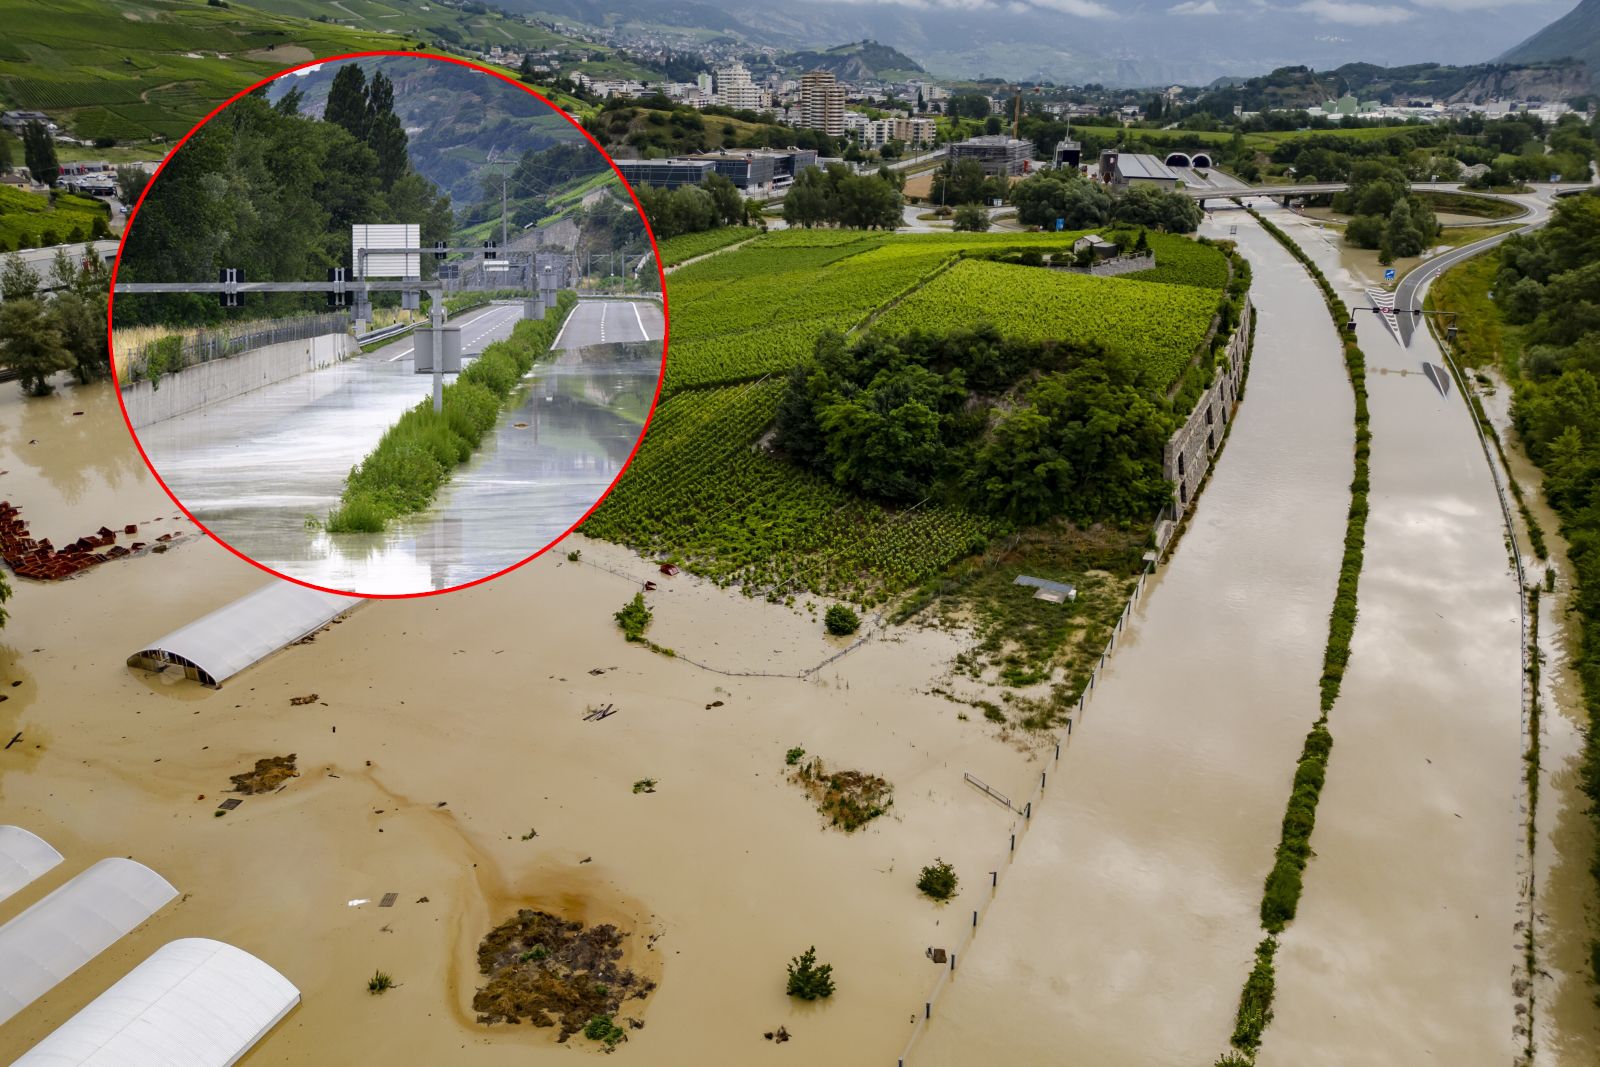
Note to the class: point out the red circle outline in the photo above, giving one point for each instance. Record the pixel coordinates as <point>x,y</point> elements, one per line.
<point>666,329</point>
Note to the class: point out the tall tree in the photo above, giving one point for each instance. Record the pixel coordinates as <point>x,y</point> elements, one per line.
<point>39,152</point>
<point>31,346</point>
<point>5,155</point>
<point>347,101</point>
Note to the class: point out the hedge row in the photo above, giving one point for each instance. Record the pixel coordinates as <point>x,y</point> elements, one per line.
<point>1280,897</point>
<point>418,454</point>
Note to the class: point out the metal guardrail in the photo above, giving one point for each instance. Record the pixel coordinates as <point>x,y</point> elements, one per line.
<point>386,333</point>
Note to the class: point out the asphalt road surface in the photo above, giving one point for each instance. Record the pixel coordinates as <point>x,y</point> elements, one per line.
<point>610,322</point>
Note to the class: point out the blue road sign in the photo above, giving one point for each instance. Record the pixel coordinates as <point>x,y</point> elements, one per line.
<point>1061,224</point>
<point>1388,275</point>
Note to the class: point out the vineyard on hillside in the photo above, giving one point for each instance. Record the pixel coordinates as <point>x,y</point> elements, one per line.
<point>705,491</point>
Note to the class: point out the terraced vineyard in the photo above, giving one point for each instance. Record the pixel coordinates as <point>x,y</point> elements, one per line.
<point>704,491</point>
<point>675,250</point>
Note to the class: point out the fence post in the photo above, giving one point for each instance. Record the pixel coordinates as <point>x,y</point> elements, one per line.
<point>1027,812</point>
<point>974,918</point>
<point>994,879</point>
<point>1041,781</point>
<point>1013,842</point>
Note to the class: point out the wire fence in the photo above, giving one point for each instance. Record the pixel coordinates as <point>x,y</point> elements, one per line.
<point>176,351</point>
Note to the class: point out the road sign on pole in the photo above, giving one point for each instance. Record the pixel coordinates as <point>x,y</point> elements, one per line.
<point>1388,274</point>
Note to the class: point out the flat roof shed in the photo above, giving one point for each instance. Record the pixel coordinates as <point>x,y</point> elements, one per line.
<point>214,648</point>
<point>196,1002</point>
<point>73,925</point>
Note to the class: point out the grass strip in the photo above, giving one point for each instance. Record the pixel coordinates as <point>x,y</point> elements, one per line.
<point>1280,896</point>
<point>419,453</point>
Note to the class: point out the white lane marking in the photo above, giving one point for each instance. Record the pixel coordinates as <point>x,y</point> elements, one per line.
<point>557,342</point>
<point>644,333</point>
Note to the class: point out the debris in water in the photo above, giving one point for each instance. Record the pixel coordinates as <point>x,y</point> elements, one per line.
<point>714,704</point>
<point>553,972</point>
<point>310,698</point>
<point>270,772</point>
<point>778,1036</point>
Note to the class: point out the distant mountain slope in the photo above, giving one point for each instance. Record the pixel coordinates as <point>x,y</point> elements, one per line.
<point>1300,87</point>
<point>858,61</point>
<point>1575,34</point>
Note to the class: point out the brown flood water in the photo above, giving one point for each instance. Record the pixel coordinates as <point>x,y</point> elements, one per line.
<point>1566,1027</point>
<point>1404,950</point>
<point>475,699</point>
<point>1128,919</point>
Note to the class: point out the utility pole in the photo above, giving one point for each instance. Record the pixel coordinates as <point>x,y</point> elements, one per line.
<point>505,241</point>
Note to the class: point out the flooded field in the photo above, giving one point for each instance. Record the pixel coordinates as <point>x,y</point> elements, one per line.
<point>265,468</point>
<point>1128,918</point>
<point>1404,949</point>
<point>446,759</point>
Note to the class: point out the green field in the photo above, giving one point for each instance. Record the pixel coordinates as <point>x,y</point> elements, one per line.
<point>138,70</point>
<point>675,250</point>
<point>26,218</point>
<point>703,491</point>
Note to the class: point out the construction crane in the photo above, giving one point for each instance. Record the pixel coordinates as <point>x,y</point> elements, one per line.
<point>1016,117</point>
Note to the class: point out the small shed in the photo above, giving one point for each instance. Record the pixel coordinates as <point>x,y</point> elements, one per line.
<point>1102,248</point>
<point>1045,589</point>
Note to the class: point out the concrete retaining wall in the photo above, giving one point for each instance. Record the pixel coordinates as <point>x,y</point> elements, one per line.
<point>221,379</point>
<point>1189,451</point>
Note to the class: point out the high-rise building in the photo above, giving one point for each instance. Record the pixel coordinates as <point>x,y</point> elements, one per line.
<point>736,90</point>
<point>822,103</point>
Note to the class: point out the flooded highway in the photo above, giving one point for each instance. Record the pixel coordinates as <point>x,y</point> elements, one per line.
<point>1128,918</point>
<point>263,469</point>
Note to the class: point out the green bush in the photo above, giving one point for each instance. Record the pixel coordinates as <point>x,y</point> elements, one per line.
<point>634,618</point>
<point>1255,1001</point>
<point>794,755</point>
<point>418,454</point>
<point>380,982</point>
<point>808,979</point>
<point>601,1028</point>
<point>938,880</point>
<point>841,620</point>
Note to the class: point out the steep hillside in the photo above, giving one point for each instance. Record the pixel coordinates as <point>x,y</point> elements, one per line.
<point>1575,34</point>
<point>137,70</point>
<point>458,121</point>
<point>858,61</point>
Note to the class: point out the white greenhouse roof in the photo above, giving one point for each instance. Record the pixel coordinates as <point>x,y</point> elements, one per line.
<point>196,1002</point>
<point>72,926</point>
<point>214,648</point>
<point>23,857</point>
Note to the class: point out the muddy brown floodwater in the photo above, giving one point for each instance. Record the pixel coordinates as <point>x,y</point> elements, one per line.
<point>444,731</point>
<point>1404,950</point>
<point>1127,922</point>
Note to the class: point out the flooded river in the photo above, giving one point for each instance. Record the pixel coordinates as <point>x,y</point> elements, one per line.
<point>1127,922</point>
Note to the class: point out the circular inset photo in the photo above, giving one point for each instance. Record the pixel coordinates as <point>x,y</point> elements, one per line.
<point>388,324</point>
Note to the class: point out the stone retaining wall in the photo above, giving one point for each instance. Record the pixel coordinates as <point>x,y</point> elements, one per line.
<point>222,379</point>
<point>1189,451</point>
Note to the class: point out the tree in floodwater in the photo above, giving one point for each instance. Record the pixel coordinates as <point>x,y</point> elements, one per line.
<point>31,345</point>
<point>5,595</point>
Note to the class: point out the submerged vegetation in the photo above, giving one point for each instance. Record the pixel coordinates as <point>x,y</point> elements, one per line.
<point>417,455</point>
<point>552,971</point>
<point>938,880</point>
<point>850,799</point>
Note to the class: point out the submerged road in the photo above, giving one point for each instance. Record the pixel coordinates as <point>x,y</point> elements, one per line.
<point>254,468</point>
<point>1126,922</point>
<point>611,322</point>
<point>1404,949</point>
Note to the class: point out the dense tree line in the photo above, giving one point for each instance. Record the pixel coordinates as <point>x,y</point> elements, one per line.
<point>836,195</point>
<point>44,333</point>
<point>1049,195</point>
<point>1019,430</point>
<point>539,172</point>
<point>693,208</point>
<point>1549,281</point>
<point>1385,213</point>
<point>274,193</point>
